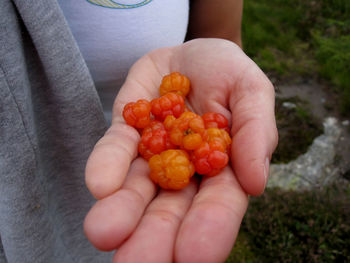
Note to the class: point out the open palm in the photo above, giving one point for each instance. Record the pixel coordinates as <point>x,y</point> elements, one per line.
<point>199,223</point>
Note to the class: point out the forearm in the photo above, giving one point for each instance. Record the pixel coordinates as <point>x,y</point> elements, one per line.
<point>218,19</point>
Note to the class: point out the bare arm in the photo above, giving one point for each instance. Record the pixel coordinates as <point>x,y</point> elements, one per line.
<point>218,19</point>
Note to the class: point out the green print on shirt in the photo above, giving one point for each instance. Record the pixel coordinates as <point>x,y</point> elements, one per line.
<point>115,5</point>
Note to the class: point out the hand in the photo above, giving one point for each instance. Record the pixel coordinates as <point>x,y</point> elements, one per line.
<point>199,223</point>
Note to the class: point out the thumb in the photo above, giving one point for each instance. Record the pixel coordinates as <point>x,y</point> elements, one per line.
<point>110,160</point>
<point>254,130</point>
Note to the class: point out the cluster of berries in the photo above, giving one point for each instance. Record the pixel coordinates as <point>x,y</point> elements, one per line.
<point>175,141</point>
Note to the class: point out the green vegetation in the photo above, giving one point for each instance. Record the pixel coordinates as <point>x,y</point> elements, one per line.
<point>283,226</point>
<point>307,38</point>
<point>334,58</point>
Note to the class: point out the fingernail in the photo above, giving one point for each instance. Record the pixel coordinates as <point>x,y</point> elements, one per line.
<point>266,169</point>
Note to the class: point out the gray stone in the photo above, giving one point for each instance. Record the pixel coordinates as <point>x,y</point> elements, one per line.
<point>313,169</point>
<point>289,105</point>
<point>345,123</point>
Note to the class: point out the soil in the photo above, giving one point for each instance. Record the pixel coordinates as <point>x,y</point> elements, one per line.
<point>299,126</point>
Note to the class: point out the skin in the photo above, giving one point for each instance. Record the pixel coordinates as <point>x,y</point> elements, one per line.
<point>216,19</point>
<point>199,223</point>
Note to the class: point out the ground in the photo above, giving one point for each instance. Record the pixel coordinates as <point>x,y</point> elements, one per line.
<point>315,102</point>
<point>302,216</point>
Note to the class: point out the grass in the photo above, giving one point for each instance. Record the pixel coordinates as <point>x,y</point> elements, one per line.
<point>307,38</point>
<point>334,58</point>
<point>268,29</point>
<point>284,226</point>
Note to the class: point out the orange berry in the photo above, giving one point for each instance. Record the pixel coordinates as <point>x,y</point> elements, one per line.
<point>154,140</point>
<point>208,160</point>
<point>187,131</point>
<point>219,136</point>
<point>168,104</point>
<point>171,169</point>
<point>213,154</point>
<point>215,120</point>
<point>169,121</point>
<point>175,82</point>
<point>192,141</point>
<point>137,114</point>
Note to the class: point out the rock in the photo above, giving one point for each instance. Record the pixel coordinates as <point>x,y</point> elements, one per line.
<point>313,169</point>
<point>345,123</point>
<point>289,105</point>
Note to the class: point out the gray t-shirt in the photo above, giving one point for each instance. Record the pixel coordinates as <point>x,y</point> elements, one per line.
<point>50,119</point>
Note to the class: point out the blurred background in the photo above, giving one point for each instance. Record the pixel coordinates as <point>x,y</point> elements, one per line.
<point>304,214</point>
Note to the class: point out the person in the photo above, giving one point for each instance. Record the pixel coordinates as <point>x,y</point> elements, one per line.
<point>52,122</point>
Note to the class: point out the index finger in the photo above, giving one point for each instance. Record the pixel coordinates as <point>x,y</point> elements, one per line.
<point>110,159</point>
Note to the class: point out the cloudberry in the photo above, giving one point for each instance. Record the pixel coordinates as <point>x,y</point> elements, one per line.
<point>219,136</point>
<point>178,142</point>
<point>169,122</point>
<point>154,140</point>
<point>137,114</point>
<point>171,169</point>
<point>208,159</point>
<point>187,131</point>
<point>175,82</point>
<point>215,120</point>
<point>169,104</point>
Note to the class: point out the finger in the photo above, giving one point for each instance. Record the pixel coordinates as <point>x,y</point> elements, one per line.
<point>112,219</point>
<point>109,161</point>
<point>253,130</point>
<point>210,227</point>
<point>251,104</point>
<point>143,80</point>
<point>153,241</point>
